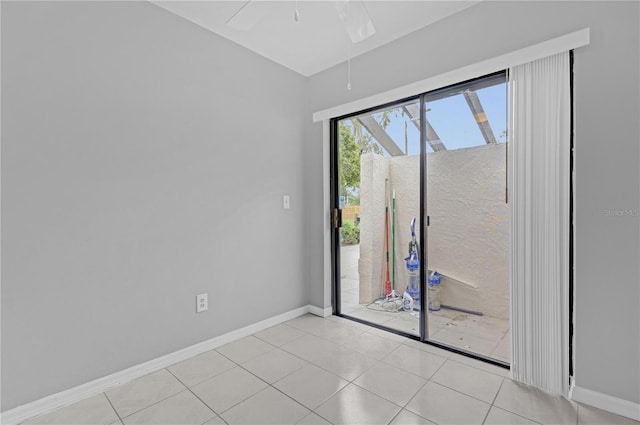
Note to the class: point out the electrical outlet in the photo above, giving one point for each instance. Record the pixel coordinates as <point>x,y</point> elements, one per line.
<point>202,303</point>
<point>286,202</point>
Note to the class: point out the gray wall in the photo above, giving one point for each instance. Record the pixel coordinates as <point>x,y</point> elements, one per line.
<point>607,153</point>
<point>144,161</point>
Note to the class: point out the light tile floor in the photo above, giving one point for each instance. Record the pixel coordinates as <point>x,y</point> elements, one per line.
<point>311,370</point>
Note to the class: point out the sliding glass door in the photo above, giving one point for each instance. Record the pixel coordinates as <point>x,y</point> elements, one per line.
<point>421,239</point>
<point>377,191</point>
<point>468,257</point>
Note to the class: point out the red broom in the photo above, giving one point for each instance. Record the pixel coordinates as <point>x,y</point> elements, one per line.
<point>387,283</point>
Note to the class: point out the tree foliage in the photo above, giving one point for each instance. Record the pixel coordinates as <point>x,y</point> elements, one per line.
<point>348,160</point>
<point>354,141</point>
<point>349,233</point>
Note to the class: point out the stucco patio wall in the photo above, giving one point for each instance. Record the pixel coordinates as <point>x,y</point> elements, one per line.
<point>468,236</point>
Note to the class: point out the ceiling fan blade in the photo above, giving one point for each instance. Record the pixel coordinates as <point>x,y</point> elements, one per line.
<point>245,17</point>
<point>355,18</point>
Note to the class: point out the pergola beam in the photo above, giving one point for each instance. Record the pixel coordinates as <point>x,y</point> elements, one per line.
<point>380,135</point>
<point>432,137</point>
<point>478,114</point>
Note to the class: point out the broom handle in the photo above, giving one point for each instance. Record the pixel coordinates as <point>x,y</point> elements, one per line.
<point>393,241</point>
<point>387,282</point>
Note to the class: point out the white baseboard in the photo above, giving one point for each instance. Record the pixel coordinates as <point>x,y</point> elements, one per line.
<point>320,312</point>
<point>606,402</point>
<point>83,391</point>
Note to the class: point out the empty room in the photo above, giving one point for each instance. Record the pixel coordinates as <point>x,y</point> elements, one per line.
<point>320,212</point>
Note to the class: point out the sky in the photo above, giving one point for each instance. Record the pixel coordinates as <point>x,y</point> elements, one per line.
<point>453,121</point>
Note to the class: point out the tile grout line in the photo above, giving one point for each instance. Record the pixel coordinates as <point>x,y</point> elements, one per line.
<point>282,377</point>
<point>427,380</point>
<point>395,416</point>
<point>296,401</point>
<point>319,415</point>
<point>507,410</point>
<point>196,396</point>
<point>313,362</point>
<point>205,379</point>
<point>498,392</point>
<point>328,339</point>
<point>309,363</point>
<point>240,365</point>
<point>469,395</point>
<point>154,403</point>
<point>113,407</point>
<point>423,385</point>
<point>277,389</point>
<point>414,396</point>
<point>460,392</point>
<point>283,324</point>
<point>493,401</point>
<point>325,401</point>
<point>234,405</point>
<point>379,396</point>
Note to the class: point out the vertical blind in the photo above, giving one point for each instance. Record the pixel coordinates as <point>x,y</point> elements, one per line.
<point>539,154</point>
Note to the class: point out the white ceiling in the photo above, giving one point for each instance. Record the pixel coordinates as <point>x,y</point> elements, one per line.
<point>318,40</point>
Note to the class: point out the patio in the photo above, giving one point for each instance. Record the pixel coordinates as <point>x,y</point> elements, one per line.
<point>485,335</point>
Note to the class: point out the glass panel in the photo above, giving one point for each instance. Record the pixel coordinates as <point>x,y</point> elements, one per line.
<point>379,182</point>
<point>468,235</point>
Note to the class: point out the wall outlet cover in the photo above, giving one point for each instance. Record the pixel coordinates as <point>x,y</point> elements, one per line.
<point>202,303</point>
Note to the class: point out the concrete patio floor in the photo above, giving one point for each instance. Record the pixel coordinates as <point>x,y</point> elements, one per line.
<point>485,335</point>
